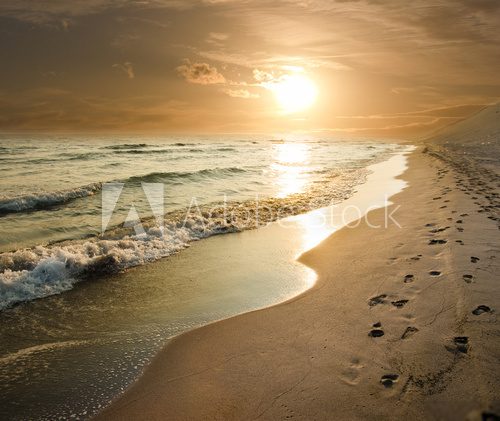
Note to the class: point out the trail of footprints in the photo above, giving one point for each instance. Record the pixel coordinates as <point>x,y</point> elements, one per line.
<point>459,344</point>
<point>473,179</point>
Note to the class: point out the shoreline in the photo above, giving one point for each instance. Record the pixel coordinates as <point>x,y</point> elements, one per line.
<point>367,196</point>
<point>212,280</point>
<point>118,249</point>
<point>219,363</point>
<point>368,200</point>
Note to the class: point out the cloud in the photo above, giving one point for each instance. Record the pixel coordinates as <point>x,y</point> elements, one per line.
<point>126,67</point>
<point>385,65</point>
<point>217,38</point>
<point>144,21</point>
<point>49,109</point>
<point>240,93</point>
<point>201,73</point>
<point>262,76</point>
<point>45,11</point>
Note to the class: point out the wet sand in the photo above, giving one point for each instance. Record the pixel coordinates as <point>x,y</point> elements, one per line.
<point>401,322</point>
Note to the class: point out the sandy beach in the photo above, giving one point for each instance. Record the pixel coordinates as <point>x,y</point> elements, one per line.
<point>242,210</point>
<point>401,322</point>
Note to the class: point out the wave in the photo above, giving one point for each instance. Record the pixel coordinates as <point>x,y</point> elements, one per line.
<point>126,146</point>
<point>159,177</point>
<point>44,200</point>
<point>171,150</point>
<point>42,271</point>
<point>38,201</point>
<point>184,144</point>
<point>143,151</point>
<point>85,156</point>
<point>48,270</point>
<point>38,349</point>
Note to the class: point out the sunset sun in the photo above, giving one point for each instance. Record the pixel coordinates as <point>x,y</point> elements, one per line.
<point>242,209</point>
<point>295,93</point>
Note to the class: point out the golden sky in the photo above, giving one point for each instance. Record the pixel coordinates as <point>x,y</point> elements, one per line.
<point>378,67</point>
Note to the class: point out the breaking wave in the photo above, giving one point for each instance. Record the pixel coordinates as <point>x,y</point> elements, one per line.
<point>38,272</point>
<point>46,199</point>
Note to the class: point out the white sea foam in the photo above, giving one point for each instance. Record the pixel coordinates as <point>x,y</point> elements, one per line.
<point>47,270</point>
<point>28,274</point>
<point>287,178</point>
<point>46,199</point>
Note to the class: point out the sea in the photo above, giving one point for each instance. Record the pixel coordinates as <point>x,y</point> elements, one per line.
<point>97,264</point>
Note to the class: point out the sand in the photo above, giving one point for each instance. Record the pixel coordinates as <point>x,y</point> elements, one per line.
<point>402,322</point>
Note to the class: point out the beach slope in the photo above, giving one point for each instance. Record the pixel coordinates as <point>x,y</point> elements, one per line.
<point>401,322</point>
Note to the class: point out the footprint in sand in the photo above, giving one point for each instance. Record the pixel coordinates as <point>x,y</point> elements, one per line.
<point>474,259</point>
<point>434,273</point>
<point>481,309</point>
<point>437,241</point>
<point>379,299</point>
<point>388,380</point>
<point>410,331</point>
<point>351,374</point>
<point>399,303</point>
<point>459,242</point>
<point>468,278</point>
<point>436,230</point>
<point>409,278</point>
<point>461,344</point>
<point>377,332</point>
<point>489,416</point>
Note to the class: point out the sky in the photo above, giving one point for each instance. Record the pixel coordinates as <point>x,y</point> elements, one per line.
<point>386,68</point>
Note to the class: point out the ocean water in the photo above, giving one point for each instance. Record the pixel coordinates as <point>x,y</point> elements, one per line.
<point>53,191</point>
<point>83,311</point>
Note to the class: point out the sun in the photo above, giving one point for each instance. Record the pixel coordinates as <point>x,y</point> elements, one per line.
<point>294,93</point>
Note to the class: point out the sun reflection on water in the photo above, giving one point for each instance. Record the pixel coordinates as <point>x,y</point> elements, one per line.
<point>291,168</point>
